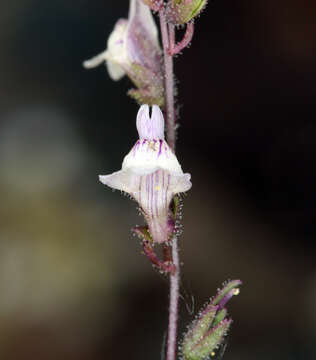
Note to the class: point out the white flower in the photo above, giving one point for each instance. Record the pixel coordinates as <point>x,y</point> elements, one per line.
<point>133,49</point>
<point>151,174</point>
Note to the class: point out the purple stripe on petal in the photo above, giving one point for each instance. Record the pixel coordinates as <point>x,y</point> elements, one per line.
<point>166,151</point>
<point>166,195</point>
<point>157,191</point>
<point>135,148</point>
<point>140,191</point>
<point>152,195</point>
<point>160,147</point>
<point>147,190</point>
<point>162,189</point>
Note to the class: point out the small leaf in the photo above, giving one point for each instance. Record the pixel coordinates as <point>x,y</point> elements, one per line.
<point>199,328</point>
<point>149,85</point>
<point>198,7</point>
<point>219,317</point>
<point>143,233</point>
<point>208,330</point>
<point>176,206</point>
<point>180,12</point>
<point>210,341</point>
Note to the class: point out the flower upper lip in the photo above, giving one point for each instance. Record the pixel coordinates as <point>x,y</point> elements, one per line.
<point>151,152</point>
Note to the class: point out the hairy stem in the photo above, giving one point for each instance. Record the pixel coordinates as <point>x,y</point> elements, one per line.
<point>168,39</point>
<point>169,79</point>
<point>173,303</point>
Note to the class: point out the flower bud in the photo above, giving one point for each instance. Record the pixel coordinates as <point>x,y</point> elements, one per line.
<point>182,11</point>
<point>208,330</point>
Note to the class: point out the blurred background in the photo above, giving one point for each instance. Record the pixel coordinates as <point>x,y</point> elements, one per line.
<point>73,282</point>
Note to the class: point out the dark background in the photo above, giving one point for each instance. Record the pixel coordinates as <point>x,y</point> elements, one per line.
<point>73,282</point>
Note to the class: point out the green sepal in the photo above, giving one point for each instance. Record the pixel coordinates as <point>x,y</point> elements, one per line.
<point>176,206</point>
<point>207,331</point>
<point>210,341</point>
<point>149,86</point>
<point>199,328</point>
<point>221,314</point>
<point>143,233</point>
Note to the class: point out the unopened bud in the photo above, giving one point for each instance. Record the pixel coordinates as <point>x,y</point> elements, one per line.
<point>182,11</point>
<point>208,330</point>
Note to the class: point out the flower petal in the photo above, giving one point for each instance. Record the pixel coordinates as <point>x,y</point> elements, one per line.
<point>116,44</point>
<point>122,180</point>
<point>142,37</point>
<point>150,128</point>
<point>141,13</point>
<point>180,183</point>
<point>147,156</point>
<point>154,197</point>
<point>96,60</point>
<point>115,71</point>
<point>115,55</point>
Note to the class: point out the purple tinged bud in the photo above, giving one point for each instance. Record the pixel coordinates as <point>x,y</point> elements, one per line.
<point>142,37</point>
<point>208,330</point>
<point>227,297</point>
<point>230,289</point>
